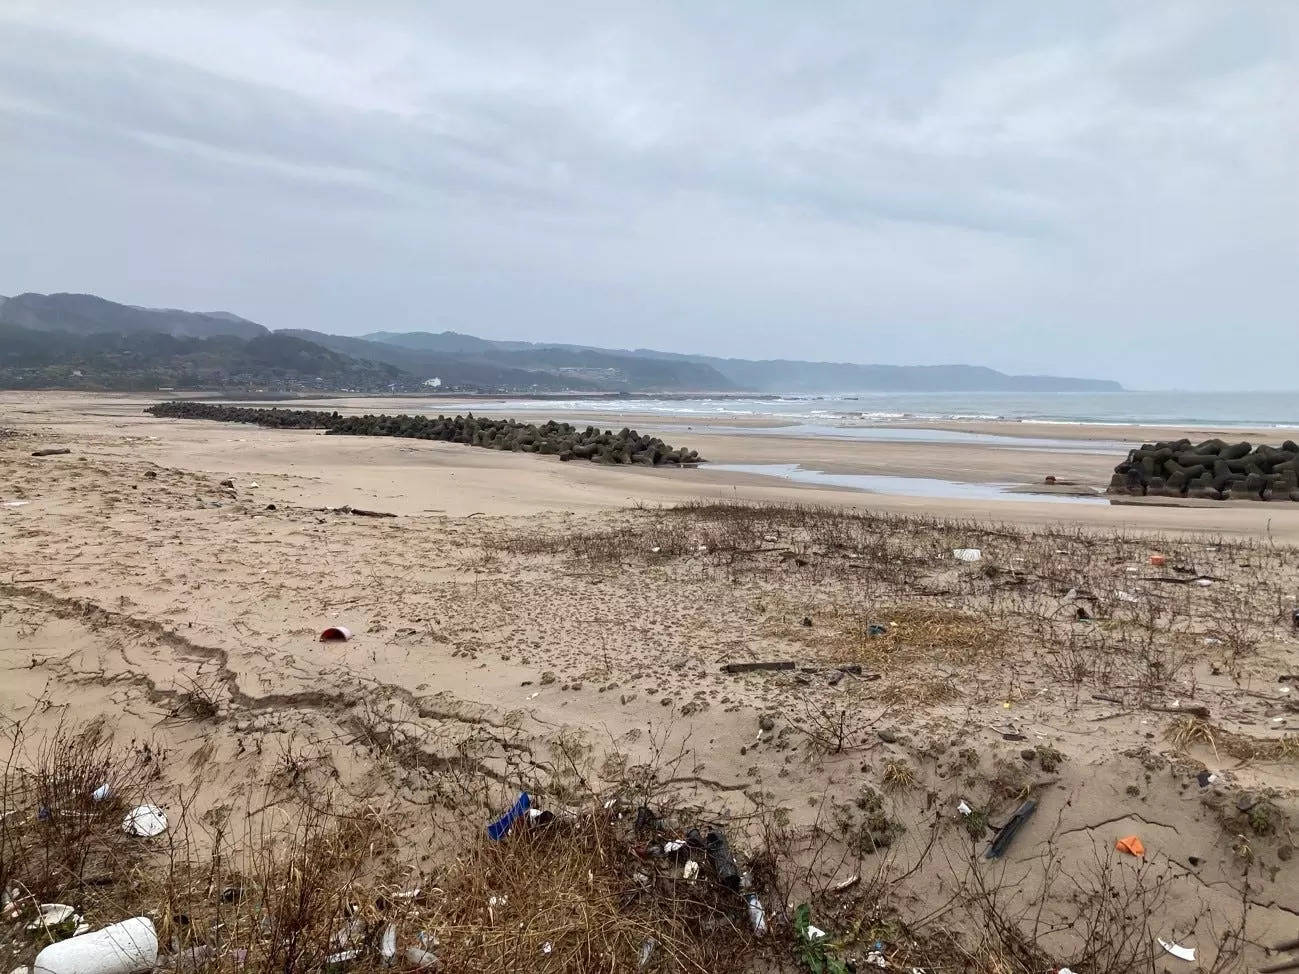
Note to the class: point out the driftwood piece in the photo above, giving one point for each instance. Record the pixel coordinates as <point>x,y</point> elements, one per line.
<point>51,453</point>
<point>358,511</point>
<point>788,664</point>
<point>1194,709</point>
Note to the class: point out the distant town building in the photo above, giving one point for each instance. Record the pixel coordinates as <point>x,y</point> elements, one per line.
<point>433,383</point>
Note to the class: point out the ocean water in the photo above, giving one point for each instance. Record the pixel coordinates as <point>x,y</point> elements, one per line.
<point>1206,410</point>
<point>930,487</point>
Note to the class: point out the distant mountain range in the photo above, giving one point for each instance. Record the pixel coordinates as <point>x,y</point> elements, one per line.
<point>84,341</point>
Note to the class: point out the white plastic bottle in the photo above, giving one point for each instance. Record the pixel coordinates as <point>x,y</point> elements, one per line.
<point>128,947</point>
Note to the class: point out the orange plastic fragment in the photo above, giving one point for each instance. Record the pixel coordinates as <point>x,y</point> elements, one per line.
<point>1131,845</point>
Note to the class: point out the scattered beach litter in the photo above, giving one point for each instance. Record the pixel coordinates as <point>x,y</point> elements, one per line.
<point>757,914</point>
<point>336,634</point>
<point>51,453</point>
<point>498,829</point>
<point>14,503</point>
<point>102,793</point>
<point>129,947</point>
<point>1177,950</point>
<point>1158,560</point>
<point>964,808</point>
<point>1132,845</point>
<point>967,554</point>
<point>145,821</point>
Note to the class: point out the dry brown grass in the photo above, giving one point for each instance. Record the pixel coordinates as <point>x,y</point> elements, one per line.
<point>898,776</point>
<point>1187,732</point>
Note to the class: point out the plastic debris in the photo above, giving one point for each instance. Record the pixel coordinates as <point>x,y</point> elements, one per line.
<point>1158,560</point>
<point>757,914</point>
<point>547,947</point>
<point>338,962</point>
<point>388,943</point>
<point>646,952</point>
<point>1126,597</point>
<point>102,793</point>
<point>14,503</point>
<point>496,831</point>
<point>845,885</point>
<point>719,854</point>
<point>815,933</point>
<point>690,871</point>
<point>336,634</point>
<point>129,947</point>
<point>964,808</point>
<point>1131,845</point>
<point>1206,778</point>
<point>1007,832</point>
<point>145,821</point>
<point>967,554</point>
<point>421,958</point>
<point>877,629</point>
<point>1177,950</point>
<point>876,959</point>
<point>51,915</point>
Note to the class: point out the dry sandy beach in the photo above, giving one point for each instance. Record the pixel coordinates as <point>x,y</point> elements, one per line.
<point>516,598</point>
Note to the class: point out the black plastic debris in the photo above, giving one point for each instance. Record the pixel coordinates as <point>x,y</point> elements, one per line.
<point>719,854</point>
<point>1006,834</point>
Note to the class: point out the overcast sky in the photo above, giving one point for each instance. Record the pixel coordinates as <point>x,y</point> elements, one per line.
<point>1088,188</point>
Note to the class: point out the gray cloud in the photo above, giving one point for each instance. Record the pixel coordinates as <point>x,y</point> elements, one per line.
<point>1029,187</point>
